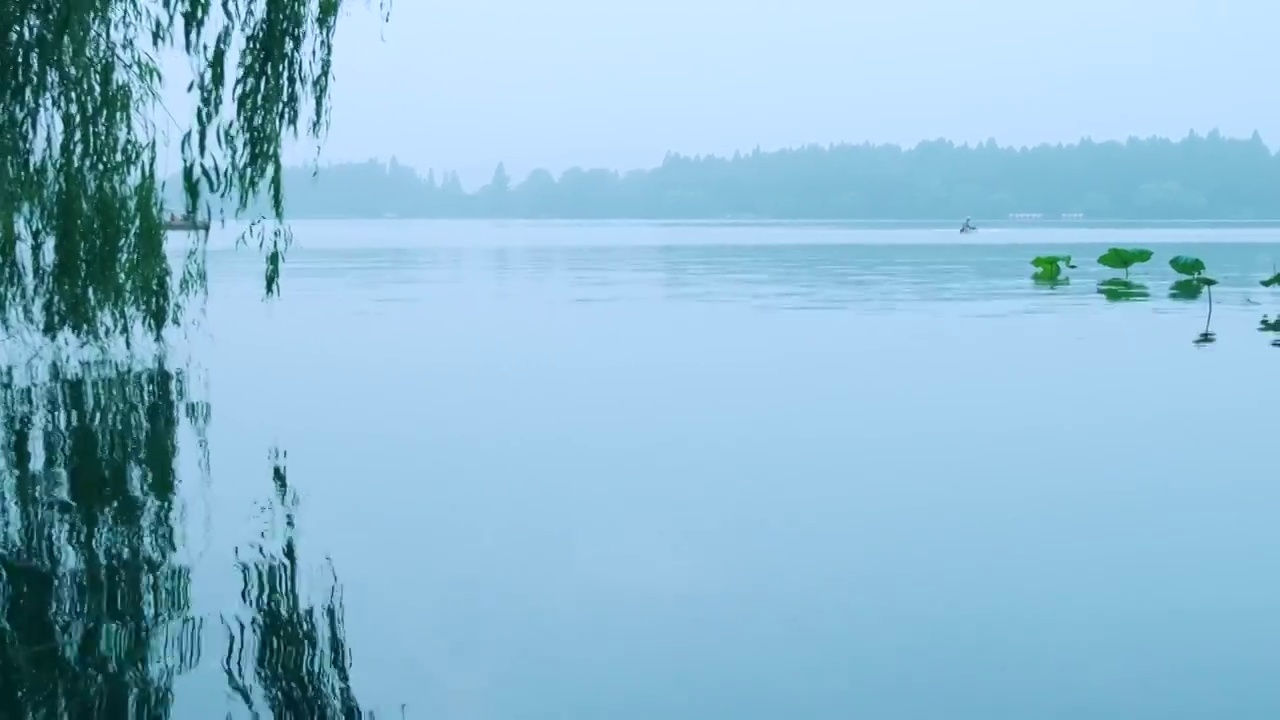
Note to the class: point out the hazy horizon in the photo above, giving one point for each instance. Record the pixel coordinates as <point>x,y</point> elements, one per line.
<point>474,182</point>
<point>564,83</point>
<point>1194,178</point>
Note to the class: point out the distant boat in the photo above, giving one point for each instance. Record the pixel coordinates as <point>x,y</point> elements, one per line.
<point>185,222</point>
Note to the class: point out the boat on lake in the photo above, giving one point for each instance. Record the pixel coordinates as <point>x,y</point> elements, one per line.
<point>185,222</point>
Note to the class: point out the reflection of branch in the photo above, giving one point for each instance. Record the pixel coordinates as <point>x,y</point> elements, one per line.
<point>235,676</point>
<point>299,652</point>
<point>94,611</point>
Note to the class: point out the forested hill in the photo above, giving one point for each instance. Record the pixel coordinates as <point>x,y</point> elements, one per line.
<point>1197,178</point>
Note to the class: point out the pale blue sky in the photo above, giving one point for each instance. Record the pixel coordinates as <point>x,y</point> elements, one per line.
<point>557,83</point>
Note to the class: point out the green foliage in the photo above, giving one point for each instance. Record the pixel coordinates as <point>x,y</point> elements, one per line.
<point>1120,289</point>
<point>1189,288</point>
<point>1124,258</point>
<point>1187,265</point>
<point>82,236</point>
<point>1140,255</point>
<point>1049,268</point>
<point>1194,267</point>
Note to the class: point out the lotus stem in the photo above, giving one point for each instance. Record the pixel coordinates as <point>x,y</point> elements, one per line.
<point>1207,320</point>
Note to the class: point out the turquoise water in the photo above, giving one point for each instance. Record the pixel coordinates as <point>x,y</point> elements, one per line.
<point>638,471</point>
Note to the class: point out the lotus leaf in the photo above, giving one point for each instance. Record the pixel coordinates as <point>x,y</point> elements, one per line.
<point>1186,265</point>
<point>1049,267</point>
<point>1042,261</point>
<point>1124,258</point>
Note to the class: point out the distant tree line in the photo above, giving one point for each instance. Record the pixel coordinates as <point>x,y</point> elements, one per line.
<point>1201,177</point>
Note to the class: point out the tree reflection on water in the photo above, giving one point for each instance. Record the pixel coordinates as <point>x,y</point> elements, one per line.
<point>95,602</point>
<point>297,652</point>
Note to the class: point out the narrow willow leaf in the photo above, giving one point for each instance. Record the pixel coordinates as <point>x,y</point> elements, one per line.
<point>82,207</point>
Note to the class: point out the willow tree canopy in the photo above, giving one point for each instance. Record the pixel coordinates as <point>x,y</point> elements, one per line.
<point>82,215</point>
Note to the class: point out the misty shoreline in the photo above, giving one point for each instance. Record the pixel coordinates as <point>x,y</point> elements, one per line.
<point>1154,182</point>
<point>936,224</point>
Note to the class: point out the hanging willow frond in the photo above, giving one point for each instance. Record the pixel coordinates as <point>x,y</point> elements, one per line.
<point>82,217</point>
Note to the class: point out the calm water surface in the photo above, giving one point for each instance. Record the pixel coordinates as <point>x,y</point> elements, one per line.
<point>639,471</point>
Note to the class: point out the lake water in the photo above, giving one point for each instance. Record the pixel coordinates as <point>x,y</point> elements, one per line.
<point>638,471</point>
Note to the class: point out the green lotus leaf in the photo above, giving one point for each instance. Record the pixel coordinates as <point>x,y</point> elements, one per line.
<point>1186,265</point>
<point>1124,258</point>
<point>1043,261</point>
<point>1049,267</point>
<point>1116,259</point>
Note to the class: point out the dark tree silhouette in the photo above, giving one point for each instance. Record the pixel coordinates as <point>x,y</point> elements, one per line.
<point>1198,177</point>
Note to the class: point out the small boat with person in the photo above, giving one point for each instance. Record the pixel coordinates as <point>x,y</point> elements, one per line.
<point>968,227</point>
<point>185,222</point>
